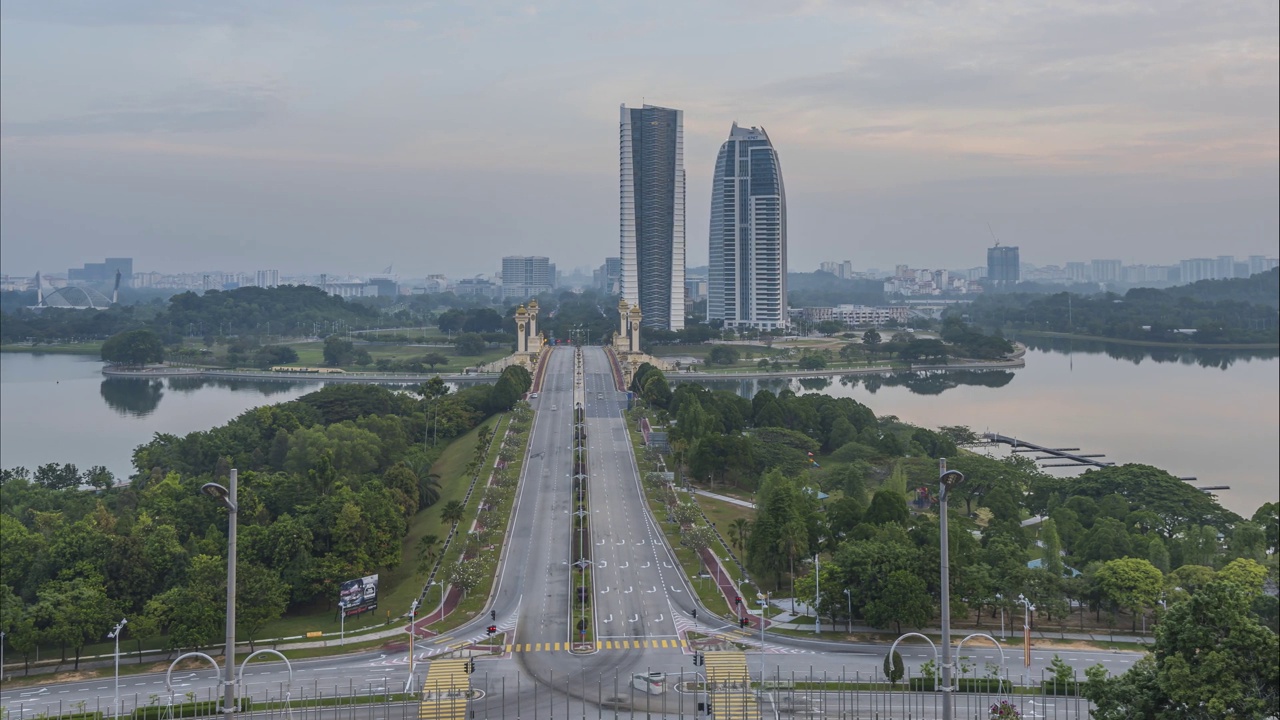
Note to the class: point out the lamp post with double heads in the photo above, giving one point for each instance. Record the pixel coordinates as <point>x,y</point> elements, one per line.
<point>228,498</point>
<point>947,479</point>
<point>115,635</point>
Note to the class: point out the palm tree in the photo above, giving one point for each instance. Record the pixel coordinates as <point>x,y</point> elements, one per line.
<point>739,529</point>
<point>428,550</point>
<point>452,512</point>
<point>428,490</point>
<point>795,540</point>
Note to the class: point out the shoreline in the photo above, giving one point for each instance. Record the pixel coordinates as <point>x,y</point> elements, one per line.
<point>267,375</point>
<point>1146,343</point>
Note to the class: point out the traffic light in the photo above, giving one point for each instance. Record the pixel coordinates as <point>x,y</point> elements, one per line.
<point>491,629</point>
<point>493,615</point>
<point>697,658</point>
<point>471,666</point>
<point>694,613</point>
<point>737,600</point>
<point>742,622</point>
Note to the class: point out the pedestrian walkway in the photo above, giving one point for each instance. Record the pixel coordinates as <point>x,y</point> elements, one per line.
<point>729,692</point>
<point>724,498</point>
<point>445,691</point>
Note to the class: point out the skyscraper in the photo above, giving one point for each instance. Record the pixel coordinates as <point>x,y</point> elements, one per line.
<point>651,213</point>
<point>747,275</point>
<point>1002,265</point>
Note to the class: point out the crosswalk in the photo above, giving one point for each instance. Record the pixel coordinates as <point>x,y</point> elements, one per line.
<point>445,690</point>
<point>729,691</point>
<point>670,644</point>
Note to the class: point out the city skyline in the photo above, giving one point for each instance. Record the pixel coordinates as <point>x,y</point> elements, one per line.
<point>214,133</point>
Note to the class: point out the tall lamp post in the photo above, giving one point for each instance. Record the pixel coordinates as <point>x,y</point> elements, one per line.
<point>228,498</point>
<point>947,479</point>
<point>1027,609</point>
<point>115,635</point>
<point>413,634</point>
<point>848,618</point>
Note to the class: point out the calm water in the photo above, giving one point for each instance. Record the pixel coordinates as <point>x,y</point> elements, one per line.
<point>1214,416</point>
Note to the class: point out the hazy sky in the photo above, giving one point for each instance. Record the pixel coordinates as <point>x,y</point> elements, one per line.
<point>328,136</point>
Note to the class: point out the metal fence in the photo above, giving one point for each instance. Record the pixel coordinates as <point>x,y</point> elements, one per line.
<point>583,695</point>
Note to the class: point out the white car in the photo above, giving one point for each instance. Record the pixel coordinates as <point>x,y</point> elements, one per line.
<point>553,407</point>
<point>533,396</point>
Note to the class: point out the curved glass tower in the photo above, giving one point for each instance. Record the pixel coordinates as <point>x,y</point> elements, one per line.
<point>747,283</point>
<point>651,213</point>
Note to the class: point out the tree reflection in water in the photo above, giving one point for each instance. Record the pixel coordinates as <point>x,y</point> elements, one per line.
<point>138,397</point>
<point>1220,358</point>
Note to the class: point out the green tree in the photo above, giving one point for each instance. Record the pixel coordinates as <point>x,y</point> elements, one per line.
<point>1052,548</point>
<point>453,512</point>
<point>894,668</point>
<point>1158,554</point>
<point>903,599</point>
<point>811,362</point>
<point>739,530</point>
<point>1211,659</point>
<point>261,597</point>
<point>469,344</point>
<point>133,347</point>
<point>75,612</point>
<point>1248,574</point>
<point>887,506</point>
<point>338,351</point>
<point>872,340</point>
<point>722,355</point>
<point>433,359</point>
<point>1130,583</point>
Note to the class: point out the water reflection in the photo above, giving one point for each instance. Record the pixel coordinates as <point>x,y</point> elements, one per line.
<point>918,383</point>
<point>262,387</point>
<point>1203,357</point>
<point>138,397</point>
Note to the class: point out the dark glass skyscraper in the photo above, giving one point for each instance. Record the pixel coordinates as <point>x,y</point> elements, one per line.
<point>1002,265</point>
<point>651,213</point>
<point>747,280</point>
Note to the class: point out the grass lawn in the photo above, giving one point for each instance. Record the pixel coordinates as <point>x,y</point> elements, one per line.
<point>84,348</point>
<point>311,354</point>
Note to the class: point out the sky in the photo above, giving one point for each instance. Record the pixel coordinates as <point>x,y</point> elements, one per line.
<point>342,137</point>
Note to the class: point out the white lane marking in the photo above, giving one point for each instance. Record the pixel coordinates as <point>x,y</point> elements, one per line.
<point>629,589</point>
<point>635,619</point>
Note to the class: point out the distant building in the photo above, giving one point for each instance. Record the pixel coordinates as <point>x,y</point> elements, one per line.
<point>387,285</point>
<point>747,273</point>
<point>1226,267</point>
<point>1260,263</point>
<point>608,276</point>
<point>1002,265</point>
<point>859,315</point>
<point>267,278</point>
<point>1196,269</point>
<point>652,213</point>
<point>477,287</point>
<point>1079,272</point>
<point>103,272</point>
<point>1106,271</point>
<point>526,276</point>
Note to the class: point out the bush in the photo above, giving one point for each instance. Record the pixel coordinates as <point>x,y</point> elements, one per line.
<point>964,685</point>
<point>204,708</point>
<point>1071,688</point>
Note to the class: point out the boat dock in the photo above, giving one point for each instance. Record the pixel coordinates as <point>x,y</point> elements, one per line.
<point>1070,456</point>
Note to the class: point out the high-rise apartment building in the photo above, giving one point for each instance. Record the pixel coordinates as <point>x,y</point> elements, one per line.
<point>747,274</point>
<point>607,276</point>
<point>1003,267</point>
<point>1106,271</point>
<point>651,213</point>
<point>526,276</point>
<point>267,278</point>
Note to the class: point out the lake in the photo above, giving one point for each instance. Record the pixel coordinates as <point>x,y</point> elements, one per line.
<point>1212,415</point>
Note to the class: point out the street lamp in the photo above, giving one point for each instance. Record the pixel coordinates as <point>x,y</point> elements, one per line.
<point>848,627</point>
<point>115,635</point>
<point>764,604</point>
<point>947,479</point>
<point>228,498</point>
<point>1027,609</point>
<point>413,633</point>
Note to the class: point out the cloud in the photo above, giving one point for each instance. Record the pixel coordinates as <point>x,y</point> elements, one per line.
<point>199,108</point>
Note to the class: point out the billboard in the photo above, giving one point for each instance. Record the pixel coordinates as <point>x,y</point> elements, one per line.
<point>359,595</point>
